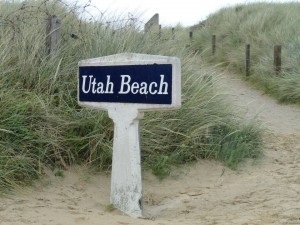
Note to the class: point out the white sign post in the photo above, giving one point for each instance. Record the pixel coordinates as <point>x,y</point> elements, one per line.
<point>126,85</point>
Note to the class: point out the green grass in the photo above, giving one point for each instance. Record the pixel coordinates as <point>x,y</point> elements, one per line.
<point>42,126</point>
<point>262,25</point>
<point>205,127</point>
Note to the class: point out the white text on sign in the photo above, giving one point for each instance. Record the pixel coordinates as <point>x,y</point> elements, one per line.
<point>90,85</point>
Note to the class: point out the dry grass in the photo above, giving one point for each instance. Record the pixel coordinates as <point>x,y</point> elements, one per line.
<point>41,124</point>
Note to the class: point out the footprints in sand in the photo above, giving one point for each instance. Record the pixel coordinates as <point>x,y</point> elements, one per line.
<point>65,201</point>
<point>266,193</point>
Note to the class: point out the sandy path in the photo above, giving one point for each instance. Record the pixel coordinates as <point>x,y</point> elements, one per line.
<point>204,193</point>
<point>280,119</point>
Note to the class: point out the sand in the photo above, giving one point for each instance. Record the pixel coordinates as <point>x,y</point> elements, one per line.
<point>206,192</point>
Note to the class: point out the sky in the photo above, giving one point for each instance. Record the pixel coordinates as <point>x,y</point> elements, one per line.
<point>171,12</point>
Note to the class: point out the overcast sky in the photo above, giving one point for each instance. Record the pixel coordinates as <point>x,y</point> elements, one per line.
<point>171,12</point>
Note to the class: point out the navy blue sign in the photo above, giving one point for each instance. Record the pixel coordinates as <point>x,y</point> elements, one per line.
<point>146,84</point>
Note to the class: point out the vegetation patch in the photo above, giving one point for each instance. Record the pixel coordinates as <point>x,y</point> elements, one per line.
<point>262,25</point>
<point>41,124</point>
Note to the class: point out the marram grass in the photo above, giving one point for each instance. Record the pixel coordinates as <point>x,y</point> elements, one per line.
<point>262,25</point>
<point>42,126</point>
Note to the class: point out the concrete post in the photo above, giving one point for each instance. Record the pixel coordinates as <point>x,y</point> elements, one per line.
<point>126,183</point>
<point>152,24</point>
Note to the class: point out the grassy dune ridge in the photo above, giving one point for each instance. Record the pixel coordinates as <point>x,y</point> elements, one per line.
<point>41,124</point>
<point>262,25</point>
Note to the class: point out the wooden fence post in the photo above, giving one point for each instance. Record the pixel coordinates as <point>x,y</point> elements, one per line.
<point>53,34</point>
<point>159,32</point>
<point>213,44</point>
<point>173,33</point>
<point>191,35</point>
<point>248,60</point>
<point>277,59</point>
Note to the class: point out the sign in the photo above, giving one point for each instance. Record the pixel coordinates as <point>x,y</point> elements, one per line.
<point>126,85</point>
<point>148,84</point>
<point>145,82</point>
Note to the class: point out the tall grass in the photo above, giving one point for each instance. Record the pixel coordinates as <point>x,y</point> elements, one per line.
<point>262,25</point>
<point>204,128</point>
<point>41,124</point>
